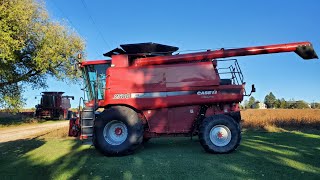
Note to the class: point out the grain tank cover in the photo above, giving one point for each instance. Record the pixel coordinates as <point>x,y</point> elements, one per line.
<point>51,99</point>
<point>147,49</point>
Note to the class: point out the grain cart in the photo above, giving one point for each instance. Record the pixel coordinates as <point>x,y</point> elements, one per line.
<point>53,106</point>
<point>146,91</point>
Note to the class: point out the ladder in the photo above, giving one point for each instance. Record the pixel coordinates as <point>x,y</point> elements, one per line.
<point>87,118</point>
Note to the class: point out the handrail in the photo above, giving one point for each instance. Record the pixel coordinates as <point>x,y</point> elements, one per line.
<point>234,70</point>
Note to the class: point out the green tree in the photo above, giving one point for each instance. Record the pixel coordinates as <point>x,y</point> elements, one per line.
<point>32,47</point>
<point>315,105</point>
<point>277,103</point>
<point>301,105</point>
<point>283,103</point>
<point>246,104</point>
<point>270,100</point>
<point>251,102</point>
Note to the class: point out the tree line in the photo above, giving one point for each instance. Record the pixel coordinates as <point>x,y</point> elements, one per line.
<point>270,101</point>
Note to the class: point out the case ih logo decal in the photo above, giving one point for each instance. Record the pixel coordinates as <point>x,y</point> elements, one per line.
<point>200,93</point>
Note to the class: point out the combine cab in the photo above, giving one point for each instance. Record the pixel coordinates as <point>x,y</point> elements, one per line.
<point>147,91</point>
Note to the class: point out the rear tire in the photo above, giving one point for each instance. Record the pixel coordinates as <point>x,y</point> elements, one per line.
<point>145,140</point>
<point>219,134</point>
<point>118,131</point>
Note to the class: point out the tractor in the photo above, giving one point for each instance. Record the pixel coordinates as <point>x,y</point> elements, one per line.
<point>148,90</point>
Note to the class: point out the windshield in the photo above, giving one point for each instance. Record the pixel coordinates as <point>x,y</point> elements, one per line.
<point>91,74</point>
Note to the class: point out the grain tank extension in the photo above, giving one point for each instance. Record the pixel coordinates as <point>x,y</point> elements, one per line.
<point>147,90</point>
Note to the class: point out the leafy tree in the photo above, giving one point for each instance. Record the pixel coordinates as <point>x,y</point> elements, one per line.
<point>246,104</point>
<point>32,47</point>
<point>251,102</point>
<point>270,100</point>
<point>301,105</point>
<point>277,103</point>
<point>283,103</point>
<point>241,106</point>
<point>315,105</point>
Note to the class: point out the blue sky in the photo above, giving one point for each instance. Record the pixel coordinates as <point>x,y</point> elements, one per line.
<point>203,25</point>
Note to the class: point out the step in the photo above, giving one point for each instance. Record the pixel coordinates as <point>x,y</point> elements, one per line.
<point>87,118</point>
<point>87,126</point>
<point>87,130</point>
<point>85,136</point>
<point>89,110</point>
<point>87,123</point>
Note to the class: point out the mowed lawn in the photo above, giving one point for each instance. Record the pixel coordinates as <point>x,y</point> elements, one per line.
<point>261,155</point>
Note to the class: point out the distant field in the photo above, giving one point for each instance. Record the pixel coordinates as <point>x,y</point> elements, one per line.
<point>281,118</point>
<point>252,119</point>
<point>12,120</point>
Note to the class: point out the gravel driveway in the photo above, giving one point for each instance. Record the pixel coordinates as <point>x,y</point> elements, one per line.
<point>29,131</point>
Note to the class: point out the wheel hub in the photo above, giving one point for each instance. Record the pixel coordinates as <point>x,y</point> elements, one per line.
<point>118,131</point>
<point>220,135</point>
<point>115,132</point>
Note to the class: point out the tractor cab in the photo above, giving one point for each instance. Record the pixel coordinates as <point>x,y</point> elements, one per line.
<point>94,74</point>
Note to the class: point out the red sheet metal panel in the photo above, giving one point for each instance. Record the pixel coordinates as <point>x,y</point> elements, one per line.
<point>181,118</point>
<point>157,120</point>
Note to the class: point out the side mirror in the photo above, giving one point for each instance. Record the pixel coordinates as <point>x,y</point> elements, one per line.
<point>253,89</point>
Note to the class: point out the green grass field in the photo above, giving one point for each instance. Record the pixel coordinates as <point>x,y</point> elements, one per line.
<point>262,155</point>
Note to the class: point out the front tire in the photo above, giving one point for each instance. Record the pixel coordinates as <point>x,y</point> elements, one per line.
<point>219,134</point>
<point>118,131</point>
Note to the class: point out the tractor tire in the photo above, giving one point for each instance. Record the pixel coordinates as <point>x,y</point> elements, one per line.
<point>118,131</point>
<point>219,134</point>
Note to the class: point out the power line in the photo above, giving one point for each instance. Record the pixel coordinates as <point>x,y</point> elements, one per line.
<point>69,20</point>
<point>63,14</point>
<point>94,23</point>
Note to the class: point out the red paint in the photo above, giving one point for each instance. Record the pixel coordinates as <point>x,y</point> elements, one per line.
<point>223,53</point>
<point>220,135</point>
<point>74,127</point>
<point>85,63</point>
<point>174,114</point>
<point>120,61</point>
<point>118,131</point>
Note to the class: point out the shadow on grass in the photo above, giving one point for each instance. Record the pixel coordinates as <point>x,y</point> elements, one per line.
<point>261,155</point>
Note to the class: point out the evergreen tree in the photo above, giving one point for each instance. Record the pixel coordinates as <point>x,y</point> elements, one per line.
<point>270,100</point>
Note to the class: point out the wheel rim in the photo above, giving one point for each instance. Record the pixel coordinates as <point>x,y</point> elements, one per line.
<point>115,132</point>
<point>220,135</point>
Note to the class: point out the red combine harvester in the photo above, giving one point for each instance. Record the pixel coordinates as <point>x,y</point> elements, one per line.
<point>54,106</point>
<point>146,91</point>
